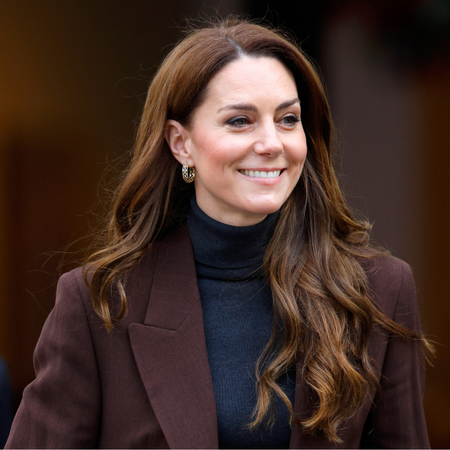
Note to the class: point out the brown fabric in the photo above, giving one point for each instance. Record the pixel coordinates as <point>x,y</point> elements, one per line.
<point>147,383</point>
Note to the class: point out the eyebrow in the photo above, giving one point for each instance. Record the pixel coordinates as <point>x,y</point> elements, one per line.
<point>287,104</point>
<point>252,108</point>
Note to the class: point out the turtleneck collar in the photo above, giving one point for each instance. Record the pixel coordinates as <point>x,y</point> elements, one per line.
<point>221,246</point>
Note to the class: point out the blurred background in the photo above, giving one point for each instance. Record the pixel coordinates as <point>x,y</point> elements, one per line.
<point>73,78</point>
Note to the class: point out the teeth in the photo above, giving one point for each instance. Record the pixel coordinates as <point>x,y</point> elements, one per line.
<point>261,174</point>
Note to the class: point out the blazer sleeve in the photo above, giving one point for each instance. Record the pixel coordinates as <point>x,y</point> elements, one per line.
<point>397,418</point>
<point>61,407</point>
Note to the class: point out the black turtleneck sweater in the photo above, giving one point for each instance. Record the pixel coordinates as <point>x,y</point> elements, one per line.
<point>238,320</point>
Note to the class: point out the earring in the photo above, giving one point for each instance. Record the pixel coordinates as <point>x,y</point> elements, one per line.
<point>188,173</point>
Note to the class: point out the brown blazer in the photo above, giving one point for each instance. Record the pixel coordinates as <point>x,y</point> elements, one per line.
<point>148,384</point>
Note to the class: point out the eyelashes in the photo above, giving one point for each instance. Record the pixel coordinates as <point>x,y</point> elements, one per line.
<point>290,120</point>
<point>240,121</point>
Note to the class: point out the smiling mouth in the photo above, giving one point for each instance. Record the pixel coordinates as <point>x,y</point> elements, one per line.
<point>261,173</point>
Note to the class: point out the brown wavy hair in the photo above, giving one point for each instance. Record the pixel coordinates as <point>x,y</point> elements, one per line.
<point>313,261</point>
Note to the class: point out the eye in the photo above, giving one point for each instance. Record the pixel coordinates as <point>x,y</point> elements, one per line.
<point>290,120</point>
<point>240,121</point>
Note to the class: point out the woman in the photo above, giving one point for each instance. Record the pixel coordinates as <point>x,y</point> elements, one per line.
<point>236,302</point>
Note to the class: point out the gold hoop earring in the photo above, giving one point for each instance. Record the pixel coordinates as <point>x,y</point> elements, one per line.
<point>188,173</point>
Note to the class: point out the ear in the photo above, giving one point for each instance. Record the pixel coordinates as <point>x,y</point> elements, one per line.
<point>177,138</point>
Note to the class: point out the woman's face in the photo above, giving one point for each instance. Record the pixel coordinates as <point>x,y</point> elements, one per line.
<point>245,140</point>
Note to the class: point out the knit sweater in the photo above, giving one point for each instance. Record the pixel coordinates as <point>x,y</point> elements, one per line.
<point>238,320</point>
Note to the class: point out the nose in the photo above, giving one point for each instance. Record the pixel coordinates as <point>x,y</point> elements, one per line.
<point>268,140</point>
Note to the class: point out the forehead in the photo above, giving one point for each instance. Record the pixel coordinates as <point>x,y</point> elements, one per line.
<point>251,79</point>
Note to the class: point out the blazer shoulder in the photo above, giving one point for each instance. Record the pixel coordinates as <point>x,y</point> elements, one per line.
<point>391,284</point>
<point>74,279</point>
<point>74,286</point>
<point>386,269</point>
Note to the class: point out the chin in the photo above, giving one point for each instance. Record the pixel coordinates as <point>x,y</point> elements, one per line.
<point>267,208</point>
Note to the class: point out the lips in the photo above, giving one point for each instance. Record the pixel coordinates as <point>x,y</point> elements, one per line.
<point>261,173</point>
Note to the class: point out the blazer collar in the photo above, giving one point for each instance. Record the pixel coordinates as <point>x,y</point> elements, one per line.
<point>170,352</point>
<point>170,348</point>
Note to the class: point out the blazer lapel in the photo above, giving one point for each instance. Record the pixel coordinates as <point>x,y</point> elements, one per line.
<point>170,349</point>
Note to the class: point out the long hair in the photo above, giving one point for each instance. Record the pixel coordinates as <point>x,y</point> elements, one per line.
<point>313,261</point>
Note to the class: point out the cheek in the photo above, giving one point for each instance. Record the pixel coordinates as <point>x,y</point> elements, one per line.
<point>215,153</point>
<point>302,149</point>
<point>211,160</point>
<point>298,152</point>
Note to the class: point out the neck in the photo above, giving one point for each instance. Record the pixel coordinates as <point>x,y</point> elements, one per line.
<point>225,246</point>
